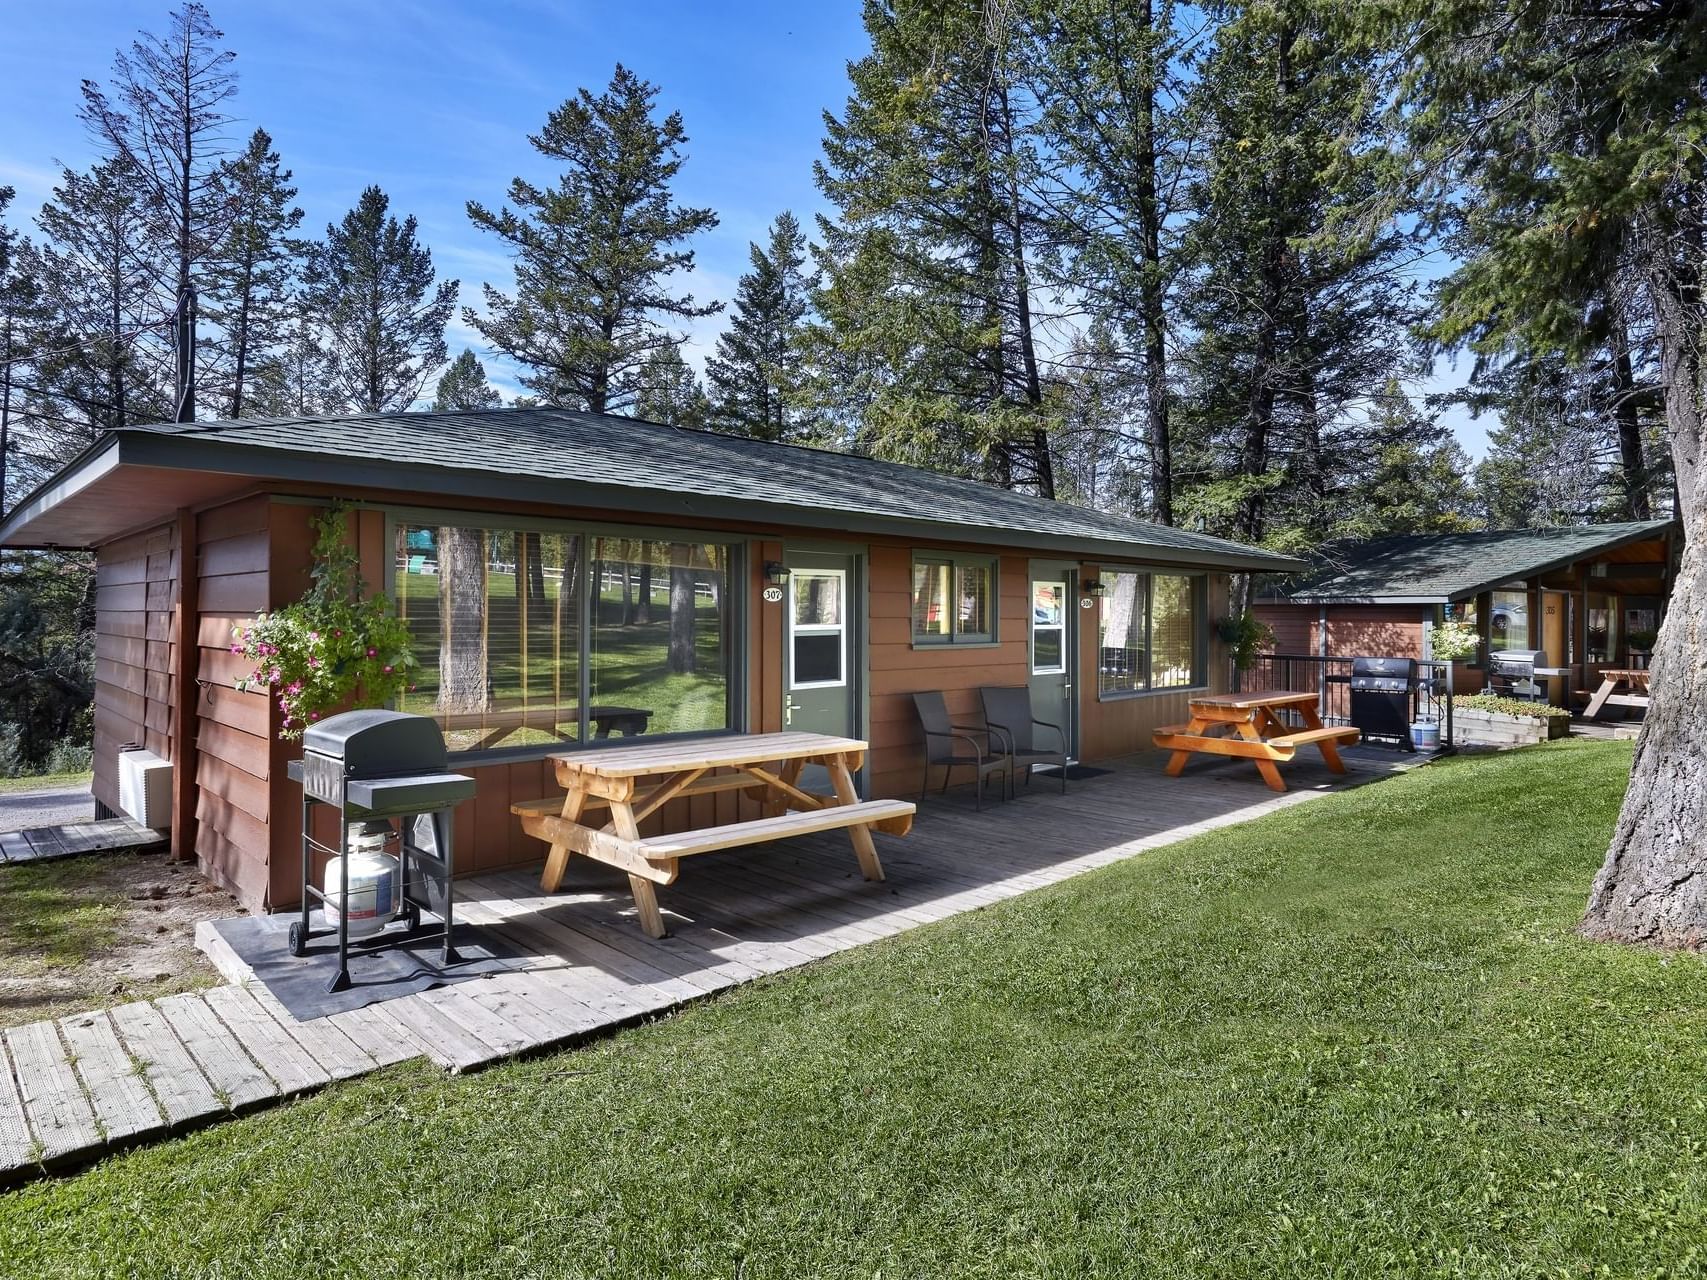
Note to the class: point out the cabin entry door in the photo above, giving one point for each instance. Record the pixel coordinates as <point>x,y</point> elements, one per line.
<point>823,664</point>
<point>1052,649</point>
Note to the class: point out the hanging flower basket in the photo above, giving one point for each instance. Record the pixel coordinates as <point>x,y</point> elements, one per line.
<point>337,647</point>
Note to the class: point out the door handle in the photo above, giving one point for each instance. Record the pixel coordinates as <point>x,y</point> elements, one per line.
<point>788,709</point>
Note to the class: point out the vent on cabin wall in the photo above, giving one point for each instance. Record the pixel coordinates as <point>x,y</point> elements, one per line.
<point>145,787</point>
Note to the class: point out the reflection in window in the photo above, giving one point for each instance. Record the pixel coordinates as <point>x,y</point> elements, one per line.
<point>1508,621</point>
<point>816,628</point>
<point>954,599</point>
<point>497,621</point>
<point>1048,627</point>
<point>1602,627</point>
<point>1150,632</point>
<point>660,636</point>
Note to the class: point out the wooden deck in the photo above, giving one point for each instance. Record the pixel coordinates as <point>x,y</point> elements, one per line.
<point>73,1089</point>
<point>103,835</point>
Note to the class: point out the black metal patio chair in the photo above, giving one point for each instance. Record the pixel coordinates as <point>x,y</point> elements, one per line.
<point>955,746</point>
<point>1008,713</point>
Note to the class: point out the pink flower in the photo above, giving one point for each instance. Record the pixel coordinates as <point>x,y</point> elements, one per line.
<point>373,653</point>
<point>237,648</point>
<point>277,675</point>
<point>337,635</point>
<point>388,671</point>
<point>313,635</point>
<point>314,662</point>
<point>313,715</point>
<point>411,688</point>
<point>295,686</point>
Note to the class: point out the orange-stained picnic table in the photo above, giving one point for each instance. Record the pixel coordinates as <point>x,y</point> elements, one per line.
<point>1618,688</point>
<point>634,782</point>
<point>1248,725</point>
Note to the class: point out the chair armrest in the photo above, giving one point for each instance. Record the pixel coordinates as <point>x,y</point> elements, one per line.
<point>1059,732</point>
<point>1002,732</point>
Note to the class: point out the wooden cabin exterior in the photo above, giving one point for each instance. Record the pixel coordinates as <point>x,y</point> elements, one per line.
<point>1109,621</point>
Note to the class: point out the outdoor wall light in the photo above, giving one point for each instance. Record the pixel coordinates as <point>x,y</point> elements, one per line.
<point>1094,588</point>
<point>776,572</point>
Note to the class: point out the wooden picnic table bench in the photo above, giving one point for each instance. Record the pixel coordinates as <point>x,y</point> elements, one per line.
<point>634,782</point>
<point>1248,726</point>
<point>1619,687</point>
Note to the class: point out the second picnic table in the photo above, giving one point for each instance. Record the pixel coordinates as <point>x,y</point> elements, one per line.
<point>1248,725</point>
<point>1619,687</point>
<point>634,782</point>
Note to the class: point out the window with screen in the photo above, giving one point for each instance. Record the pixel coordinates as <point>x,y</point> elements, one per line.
<point>533,638</point>
<point>1150,632</point>
<point>954,599</point>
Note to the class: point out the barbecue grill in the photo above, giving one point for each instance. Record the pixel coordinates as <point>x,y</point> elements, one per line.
<point>381,766</point>
<point>1381,694</point>
<point>1519,673</point>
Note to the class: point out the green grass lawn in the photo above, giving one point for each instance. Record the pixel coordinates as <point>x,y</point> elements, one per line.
<point>1355,1038</point>
<point>44,782</point>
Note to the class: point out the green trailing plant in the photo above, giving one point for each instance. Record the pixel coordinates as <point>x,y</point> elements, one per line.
<point>1245,637</point>
<point>336,647</point>
<point>1512,707</point>
<point>1643,641</point>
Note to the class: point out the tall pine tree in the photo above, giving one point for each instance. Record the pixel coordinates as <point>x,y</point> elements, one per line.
<point>596,254</point>
<point>755,376</point>
<point>371,287</point>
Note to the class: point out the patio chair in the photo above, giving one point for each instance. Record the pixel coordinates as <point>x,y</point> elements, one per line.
<point>956,745</point>
<point>1008,713</point>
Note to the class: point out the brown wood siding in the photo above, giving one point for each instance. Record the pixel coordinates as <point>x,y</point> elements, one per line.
<point>136,582</point>
<point>1294,627</point>
<point>1376,630</point>
<point>232,728</point>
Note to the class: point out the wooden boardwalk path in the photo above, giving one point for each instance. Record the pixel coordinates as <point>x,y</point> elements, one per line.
<point>77,1087</point>
<point>98,835</point>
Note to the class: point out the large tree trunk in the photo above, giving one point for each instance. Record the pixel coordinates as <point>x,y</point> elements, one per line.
<point>1653,885</point>
<point>682,605</point>
<point>1151,294</point>
<point>462,620</point>
<point>1627,414</point>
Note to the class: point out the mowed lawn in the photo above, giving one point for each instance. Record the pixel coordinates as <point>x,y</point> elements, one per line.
<point>1355,1038</point>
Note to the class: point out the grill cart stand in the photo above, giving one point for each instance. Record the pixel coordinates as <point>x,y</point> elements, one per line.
<point>381,765</point>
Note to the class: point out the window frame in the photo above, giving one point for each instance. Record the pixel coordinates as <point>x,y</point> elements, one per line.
<point>1199,628</point>
<point>956,561</point>
<point>1060,628</point>
<point>839,630</point>
<point>741,556</point>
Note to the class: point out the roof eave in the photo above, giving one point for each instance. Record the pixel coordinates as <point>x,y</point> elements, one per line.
<point>88,467</point>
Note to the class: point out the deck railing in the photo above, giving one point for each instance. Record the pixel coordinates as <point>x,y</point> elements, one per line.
<point>1329,678</point>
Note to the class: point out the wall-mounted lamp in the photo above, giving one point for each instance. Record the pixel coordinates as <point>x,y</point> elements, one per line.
<point>1094,588</point>
<point>776,572</point>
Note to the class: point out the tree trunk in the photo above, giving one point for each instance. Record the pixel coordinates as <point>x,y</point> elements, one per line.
<point>1626,413</point>
<point>1157,427</point>
<point>462,620</point>
<point>1653,885</point>
<point>682,608</point>
<point>643,606</point>
<point>536,573</point>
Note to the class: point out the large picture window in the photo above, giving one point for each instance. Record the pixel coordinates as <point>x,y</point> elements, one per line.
<point>529,638</point>
<point>954,599</point>
<point>1150,632</point>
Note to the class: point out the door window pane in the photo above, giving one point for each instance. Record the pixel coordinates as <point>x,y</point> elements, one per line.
<point>817,598</point>
<point>817,658</point>
<point>1048,627</point>
<point>1508,623</point>
<point>817,632</point>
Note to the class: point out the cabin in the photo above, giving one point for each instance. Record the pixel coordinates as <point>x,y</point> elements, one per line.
<point>1590,597</point>
<point>592,578</point>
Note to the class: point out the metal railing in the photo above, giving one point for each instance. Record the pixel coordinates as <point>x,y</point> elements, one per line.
<point>1329,679</point>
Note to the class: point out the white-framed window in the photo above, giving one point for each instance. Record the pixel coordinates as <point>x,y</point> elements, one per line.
<point>817,628</point>
<point>1048,627</point>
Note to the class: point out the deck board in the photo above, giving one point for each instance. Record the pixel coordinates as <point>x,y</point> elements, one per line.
<point>735,915</point>
<point>59,1113</point>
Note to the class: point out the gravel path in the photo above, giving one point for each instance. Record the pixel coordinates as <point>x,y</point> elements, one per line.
<point>49,808</point>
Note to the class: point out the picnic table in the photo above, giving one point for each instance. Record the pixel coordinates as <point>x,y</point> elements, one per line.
<point>1248,725</point>
<point>631,783</point>
<point>1619,687</point>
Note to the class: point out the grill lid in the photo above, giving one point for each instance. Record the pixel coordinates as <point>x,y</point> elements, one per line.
<point>375,743</point>
<point>1403,670</point>
<point>1517,659</point>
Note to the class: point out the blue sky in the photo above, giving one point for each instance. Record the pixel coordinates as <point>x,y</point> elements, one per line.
<point>434,99</point>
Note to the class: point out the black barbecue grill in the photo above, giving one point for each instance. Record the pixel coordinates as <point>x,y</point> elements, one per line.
<point>1382,691</point>
<point>1519,673</point>
<point>381,766</point>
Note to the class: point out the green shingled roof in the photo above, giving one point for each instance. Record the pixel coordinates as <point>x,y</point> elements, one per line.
<point>1445,567</point>
<point>569,458</point>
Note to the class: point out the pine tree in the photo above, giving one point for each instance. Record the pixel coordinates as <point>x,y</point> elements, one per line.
<point>370,286</point>
<point>464,386</point>
<point>929,257</point>
<point>667,390</point>
<point>597,253</point>
<point>252,272</point>
<point>20,317</point>
<point>1408,474</point>
<point>755,375</point>
<point>165,119</point>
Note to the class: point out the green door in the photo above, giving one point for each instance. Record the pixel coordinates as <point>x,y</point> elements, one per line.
<point>821,661</point>
<point>1053,648</point>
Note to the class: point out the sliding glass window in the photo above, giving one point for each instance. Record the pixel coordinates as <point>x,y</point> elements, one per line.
<point>517,646</point>
<point>1150,632</point>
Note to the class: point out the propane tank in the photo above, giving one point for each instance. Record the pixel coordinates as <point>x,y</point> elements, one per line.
<point>373,879</point>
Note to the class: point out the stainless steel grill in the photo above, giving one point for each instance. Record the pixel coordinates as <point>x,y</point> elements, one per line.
<point>1519,673</point>
<point>381,766</point>
<point>1382,690</point>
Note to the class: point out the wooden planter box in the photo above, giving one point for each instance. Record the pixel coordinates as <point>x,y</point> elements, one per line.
<point>1472,727</point>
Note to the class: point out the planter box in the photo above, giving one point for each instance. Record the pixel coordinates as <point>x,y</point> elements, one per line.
<point>1474,727</point>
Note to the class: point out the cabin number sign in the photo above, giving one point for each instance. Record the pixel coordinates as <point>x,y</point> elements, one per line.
<point>773,595</point>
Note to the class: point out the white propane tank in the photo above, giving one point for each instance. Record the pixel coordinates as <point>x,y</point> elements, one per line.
<point>373,879</point>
